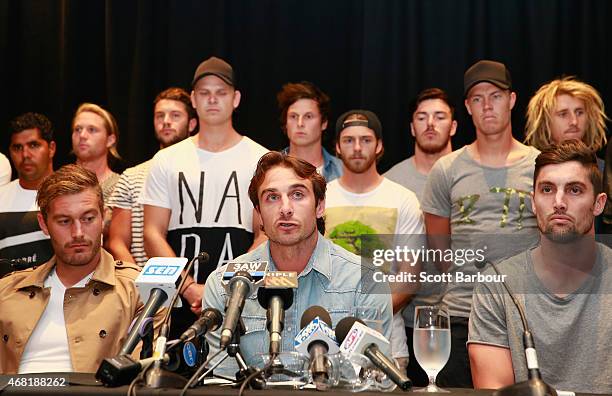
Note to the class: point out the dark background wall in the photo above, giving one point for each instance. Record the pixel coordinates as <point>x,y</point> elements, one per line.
<point>373,54</point>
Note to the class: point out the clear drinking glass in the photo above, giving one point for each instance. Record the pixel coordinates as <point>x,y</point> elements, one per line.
<point>432,342</point>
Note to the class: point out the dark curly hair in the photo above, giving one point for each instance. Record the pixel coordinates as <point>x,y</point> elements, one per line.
<point>32,121</point>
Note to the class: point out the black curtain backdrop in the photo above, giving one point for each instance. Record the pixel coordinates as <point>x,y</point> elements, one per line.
<point>372,54</point>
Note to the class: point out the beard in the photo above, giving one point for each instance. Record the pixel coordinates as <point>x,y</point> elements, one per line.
<point>433,147</point>
<point>357,167</point>
<point>79,259</point>
<point>569,234</point>
<point>175,138</point>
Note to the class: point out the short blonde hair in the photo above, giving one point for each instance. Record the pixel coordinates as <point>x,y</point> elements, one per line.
<point>110,124</point>
<point>542,105</point>
<point>67,180</point>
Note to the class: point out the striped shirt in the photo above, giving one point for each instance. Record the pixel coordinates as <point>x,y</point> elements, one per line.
<point>125,196</point>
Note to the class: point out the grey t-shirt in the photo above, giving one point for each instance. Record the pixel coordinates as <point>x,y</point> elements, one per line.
<point>489,210</point>
<point>406,174</point>
<point>572,335</point>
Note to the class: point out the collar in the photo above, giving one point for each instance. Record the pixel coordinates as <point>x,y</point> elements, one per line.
<point>327,157</point>
<point>104,272</point>
<point>320,259</point>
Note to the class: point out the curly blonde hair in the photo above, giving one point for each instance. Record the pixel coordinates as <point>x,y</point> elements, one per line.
<point>542,105</point>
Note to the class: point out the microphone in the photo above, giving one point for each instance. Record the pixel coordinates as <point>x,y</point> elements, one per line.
<point>158,279</point>
<point>241,285</point>
<point>122,369</point>
<point>276,297</point>
<point>534,386</point>
<point>316,339</point>
<point>209,320</point>
<point>356,337</point>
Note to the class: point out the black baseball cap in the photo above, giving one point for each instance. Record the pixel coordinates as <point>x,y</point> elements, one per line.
<point>372,122</point>
<point>493,72</point>
<point>216,67</point>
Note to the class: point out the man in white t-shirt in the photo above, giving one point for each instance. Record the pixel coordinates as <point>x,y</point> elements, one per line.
<point>195,196</point>
<point>363,202</point>
<point>173,120</point>
<point>32,149</point>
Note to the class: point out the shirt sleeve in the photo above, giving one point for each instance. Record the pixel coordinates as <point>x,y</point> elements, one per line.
<point>122,194</point>
<point>156,191</point>
<point>487,323</point>
<point>5,170</point>
<point>437,194</point>
<point>411,217</point>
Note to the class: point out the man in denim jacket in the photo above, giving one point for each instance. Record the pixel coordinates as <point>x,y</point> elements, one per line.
<point>289,196</point>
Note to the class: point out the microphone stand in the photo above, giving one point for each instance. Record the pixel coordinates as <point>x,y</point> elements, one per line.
<point>245,371</point>
<point>535,385</point>
<point>158,377</point>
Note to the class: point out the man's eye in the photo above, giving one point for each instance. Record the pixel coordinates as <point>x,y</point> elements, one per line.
<point>575,190</point>
<point>272,197</point>
<point>546,189</point>
<point>298,194</point>
<point>34,145</point>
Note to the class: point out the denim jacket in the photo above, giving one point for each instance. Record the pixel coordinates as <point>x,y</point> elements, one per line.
<point>332,165</point>
<point>332,279</point>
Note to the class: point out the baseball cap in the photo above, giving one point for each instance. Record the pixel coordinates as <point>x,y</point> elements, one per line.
<point>372,122</point>
<point>216,67</point>
<point>493,72</point>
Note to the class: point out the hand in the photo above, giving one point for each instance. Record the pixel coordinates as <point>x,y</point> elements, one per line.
<point>194,294</point>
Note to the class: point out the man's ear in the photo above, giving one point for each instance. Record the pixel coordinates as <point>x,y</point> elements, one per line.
<point>111,140</point>
<point>237,96</point>
<point>512,100</point>
<point>42,224</point>
<point>320,209</point>
<point>600,203</point>
<point>453,128</point>
<point>193,123</point>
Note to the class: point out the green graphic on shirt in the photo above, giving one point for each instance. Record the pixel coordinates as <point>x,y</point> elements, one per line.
<point>351,234</point>
<point>467,204</point>
<point>465,210</point>
<point>509,191</point>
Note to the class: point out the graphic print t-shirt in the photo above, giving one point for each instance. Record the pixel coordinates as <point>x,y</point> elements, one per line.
<point>207,194</point>
<point>20,234</point>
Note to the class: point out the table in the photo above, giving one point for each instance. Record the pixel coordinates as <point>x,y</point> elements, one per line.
<point>84,384</point>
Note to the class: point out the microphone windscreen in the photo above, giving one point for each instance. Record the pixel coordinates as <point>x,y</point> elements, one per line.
<point>344,326</point>
<point>312,313</point>
<point>214,315</point>
<point>264,296</point>
<point>203,257</point>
